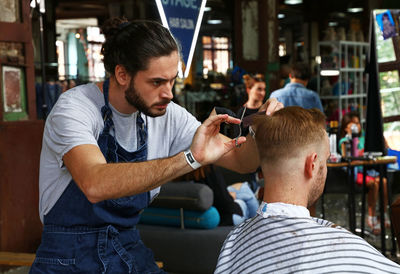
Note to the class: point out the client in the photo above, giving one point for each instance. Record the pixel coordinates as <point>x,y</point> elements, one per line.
<point>282,238</point>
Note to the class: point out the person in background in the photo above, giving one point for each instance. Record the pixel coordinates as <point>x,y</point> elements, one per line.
<point>293,148</point>
<point>255,89</point>
<point>284,71</point>
<point>372,180</point>
<point>235,203</point>
<point>295,93</point>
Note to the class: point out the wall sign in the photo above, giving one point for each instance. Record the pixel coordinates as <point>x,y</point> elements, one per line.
<point>183,19</point>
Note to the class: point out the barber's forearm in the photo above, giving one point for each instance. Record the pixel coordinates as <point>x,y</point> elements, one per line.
<point>243,159</point>
<point>111,181</point>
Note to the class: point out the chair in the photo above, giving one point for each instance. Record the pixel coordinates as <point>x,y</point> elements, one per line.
<point>395,219</point>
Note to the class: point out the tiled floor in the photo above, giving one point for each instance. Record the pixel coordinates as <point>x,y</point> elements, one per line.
<point>336,210</point>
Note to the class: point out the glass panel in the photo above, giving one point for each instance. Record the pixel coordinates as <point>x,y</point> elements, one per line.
<point>207,60</point>
<point>221,42</point>
<point>95,63</point>
<point>9,11</point>
<point>392,134</point>
<point>390,93</point>
<point>221,61</point>
<point>207,42</point>
<point>60,59</point>
<point>94,35</point>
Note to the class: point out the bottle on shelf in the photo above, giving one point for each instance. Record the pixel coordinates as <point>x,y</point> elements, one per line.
<point>333,131</point>
<point>347,147</point>
<point>354,141</point>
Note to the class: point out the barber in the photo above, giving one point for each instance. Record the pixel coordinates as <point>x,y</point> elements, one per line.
<point>108,147</point>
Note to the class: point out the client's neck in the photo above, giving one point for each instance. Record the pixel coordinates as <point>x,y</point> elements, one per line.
<point>284,189</point>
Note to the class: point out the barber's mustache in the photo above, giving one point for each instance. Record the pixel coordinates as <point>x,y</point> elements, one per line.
<point>163,102</point>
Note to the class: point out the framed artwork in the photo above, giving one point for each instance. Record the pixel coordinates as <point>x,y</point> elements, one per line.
<point>386,24</point>
<point>13,93</point>
<point>9,11</point>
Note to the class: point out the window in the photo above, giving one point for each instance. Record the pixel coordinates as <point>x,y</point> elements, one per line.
<point>388,53</point>
<point>95,58</point>
<point>216,54</point>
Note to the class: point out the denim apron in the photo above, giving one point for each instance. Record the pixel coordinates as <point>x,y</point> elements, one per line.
<point>82,237</point>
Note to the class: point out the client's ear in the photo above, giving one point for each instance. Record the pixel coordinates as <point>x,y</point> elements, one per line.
<point>310,165</point>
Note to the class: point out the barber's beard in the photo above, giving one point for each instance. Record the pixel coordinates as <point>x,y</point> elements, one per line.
<point>134,98</point>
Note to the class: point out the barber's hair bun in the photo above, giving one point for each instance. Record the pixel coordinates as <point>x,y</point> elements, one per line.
<point>112,26</point>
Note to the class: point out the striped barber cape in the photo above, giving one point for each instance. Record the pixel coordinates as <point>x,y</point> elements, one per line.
<point>283,238</point>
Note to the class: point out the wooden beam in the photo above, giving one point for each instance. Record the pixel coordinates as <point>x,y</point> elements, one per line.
<point>16,259</point>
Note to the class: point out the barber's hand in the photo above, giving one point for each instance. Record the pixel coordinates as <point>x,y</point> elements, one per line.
<point>270,106</point>
<point>208,144</point>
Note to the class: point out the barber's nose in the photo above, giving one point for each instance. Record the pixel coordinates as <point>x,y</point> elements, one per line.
<point>167,91</point>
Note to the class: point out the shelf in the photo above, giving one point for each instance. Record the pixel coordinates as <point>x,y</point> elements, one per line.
<point>348,59</point>
<point>342,70</point>
<point>352,69</point>
<point>347,96</point>
<point>348,43</point>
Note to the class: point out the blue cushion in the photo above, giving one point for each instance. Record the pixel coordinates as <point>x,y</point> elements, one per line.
<point>392,152</point>
<point>171,217</point>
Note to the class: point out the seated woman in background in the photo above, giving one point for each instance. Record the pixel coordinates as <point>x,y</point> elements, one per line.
<point>372,180</point>
<point>235,203</point>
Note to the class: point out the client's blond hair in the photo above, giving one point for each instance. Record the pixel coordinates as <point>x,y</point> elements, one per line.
<point>282,134</point>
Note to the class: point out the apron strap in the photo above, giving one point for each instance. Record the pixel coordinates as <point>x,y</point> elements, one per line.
<point>111,233</point>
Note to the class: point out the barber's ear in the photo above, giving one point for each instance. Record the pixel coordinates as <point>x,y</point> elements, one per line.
<point>121,75</point>
<point>310,165</point>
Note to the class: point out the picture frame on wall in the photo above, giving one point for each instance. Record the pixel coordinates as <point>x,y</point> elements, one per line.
<point>10,11</point>
<point>13,93</point>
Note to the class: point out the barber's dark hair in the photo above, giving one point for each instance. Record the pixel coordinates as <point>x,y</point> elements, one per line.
<point>300,71</point>
<point>133,44</point>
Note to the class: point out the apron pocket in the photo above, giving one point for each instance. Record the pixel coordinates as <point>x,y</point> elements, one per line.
<point>53,265</point>
<point>55,261</point>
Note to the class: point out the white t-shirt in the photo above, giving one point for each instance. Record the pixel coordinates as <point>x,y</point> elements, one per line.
<point>76,119</point>
<point>283,238</point>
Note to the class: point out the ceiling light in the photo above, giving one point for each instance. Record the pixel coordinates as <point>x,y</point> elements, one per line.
<point>281,16</point>
<point>214,21</point>
<point>329,72</point>
<point>355,9</point>
<point>293,2</point>
<point>333,24</point>
<point>207,8</point>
